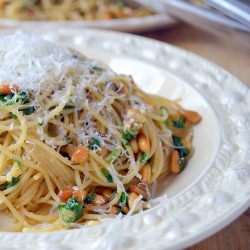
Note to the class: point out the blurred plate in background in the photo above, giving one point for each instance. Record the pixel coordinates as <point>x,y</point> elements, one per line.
<point>130,24</point>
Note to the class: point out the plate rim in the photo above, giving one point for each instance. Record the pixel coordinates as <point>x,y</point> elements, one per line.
<point>206,63</point>
<point>133,24</point>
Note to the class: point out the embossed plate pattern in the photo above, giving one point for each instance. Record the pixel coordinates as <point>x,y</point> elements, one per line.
<point>207,202</point>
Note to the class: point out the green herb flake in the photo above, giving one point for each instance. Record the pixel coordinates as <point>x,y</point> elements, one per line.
<point>123,201</point>
<point>2,97</point>
<point>180,123</point>
<point>69,106</point>
<point>94,144</point>
<point>89,198</point>
<point>13,116</point>
<point>128,135</point>
<point>9,184</point>
<point>177,141</point>
<point>71,211</point>
<point>107,175</point>
<point>135,212</point>
<point>19,164</point>
<point>21,97</point>
<point>183,151</point>
<point>112,156</point>
<point>144,158</point>
<point>68,139</point>
<point>96,69</point>
<point>28,111</point>
<point>182,163</point>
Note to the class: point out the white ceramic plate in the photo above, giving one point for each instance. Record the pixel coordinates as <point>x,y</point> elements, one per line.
<point>215,186</point>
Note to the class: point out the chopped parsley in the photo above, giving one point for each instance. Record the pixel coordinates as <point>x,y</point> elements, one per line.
<point>107,175</point>
<point>180,123</point>
<point>128,135</point>
<point>21,97</point>
<point>89,198</point>
<point>123,200</point>
<point>96,69</point>
<point>9,184</point>
<point>28,111</point>
<point>13,116</point>
<point>68,139</point>
<point>95,143</point>
<point>182,163</point>
<point>144,158</point>
<point>69,106</point>
<point>112,156</point>
<point>183,151</point>
<point>177,141</point>
<point>4,98</point>
<point>71,211</point>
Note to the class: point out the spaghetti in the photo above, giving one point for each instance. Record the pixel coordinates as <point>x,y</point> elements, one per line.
<point>70,10</point>
<point>78,142</point>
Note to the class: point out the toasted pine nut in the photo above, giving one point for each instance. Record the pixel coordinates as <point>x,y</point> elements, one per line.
<point>131,199</point>
<point>80,155</point>
<point>65,194</point>
<point>105,191</point>
<point>134,146</point>
<point>143,143</point>
<point>191,116</point>
<point>122,90</point>
<point>137,190</point>
<point>6,89</point>
<point>125,210</point>
<point>103,151</point>
<point>146,173</point>
<point>174,162</point>
<point>106,15</point>
<point>99,200</point>
<point>79,195</point>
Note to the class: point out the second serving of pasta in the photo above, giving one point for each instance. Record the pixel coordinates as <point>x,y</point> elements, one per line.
<point>78,142</point>
<point>74,10</point>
